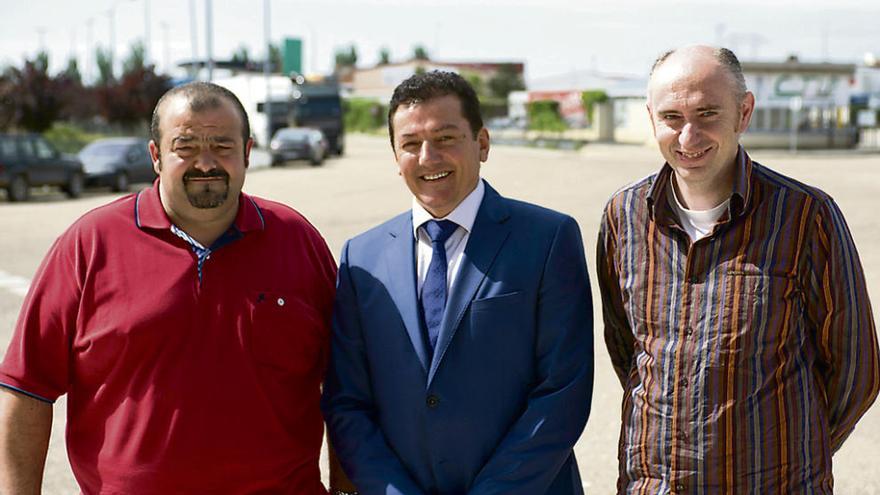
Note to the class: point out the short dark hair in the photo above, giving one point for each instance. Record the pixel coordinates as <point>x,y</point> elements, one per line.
<point>434,84</point>
<point>201,96</point>
<point>725,57</point>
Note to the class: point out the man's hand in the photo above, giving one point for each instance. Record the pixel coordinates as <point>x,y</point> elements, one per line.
<point>25,424</point>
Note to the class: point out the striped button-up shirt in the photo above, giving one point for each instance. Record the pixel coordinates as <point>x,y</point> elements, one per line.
<point>746,357</point>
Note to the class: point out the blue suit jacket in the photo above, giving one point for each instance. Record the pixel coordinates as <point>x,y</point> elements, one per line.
<point>507,394</point>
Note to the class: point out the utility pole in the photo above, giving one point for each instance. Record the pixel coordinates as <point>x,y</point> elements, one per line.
<point>146,33</point>
<point>267,71</point>
<point>194,38</point>
<point>90,50</point>
<point>111,17</point>
<point>209,39</point>
<point>166,51</point>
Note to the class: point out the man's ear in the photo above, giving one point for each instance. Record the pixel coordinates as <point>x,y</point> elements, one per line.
<point>483,140</point>
<point>154,156</point>
<point>746,109</point>
<point>247,152</point>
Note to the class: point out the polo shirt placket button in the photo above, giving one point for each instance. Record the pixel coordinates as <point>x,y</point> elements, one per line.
<point>433,401</point>
<point>679,488</point>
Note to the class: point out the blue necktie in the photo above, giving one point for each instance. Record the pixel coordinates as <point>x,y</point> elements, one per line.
<point>434,288</point>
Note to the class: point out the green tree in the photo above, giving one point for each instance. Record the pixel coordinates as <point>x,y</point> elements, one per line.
<point>71,72</point>
<point>276,58</point>
<point>476,82</point>
<point>135,59</point>
<point>590,98</point>
<point>241,55</point>
<point>420,53</point>
<point>105,66</point>
<point>7,99</point>
<point>363,115</point>
<point>346,57</point>
<point>544,116</point>
<point>384,56</point>
<point>506,80</point>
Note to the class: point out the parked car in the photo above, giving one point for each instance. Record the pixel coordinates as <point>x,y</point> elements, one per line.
<point>298,143</point>
<point>28,160</point>
<point>117,162</point>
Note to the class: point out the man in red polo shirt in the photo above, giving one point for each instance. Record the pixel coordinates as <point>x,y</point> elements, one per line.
<point>188,325</point>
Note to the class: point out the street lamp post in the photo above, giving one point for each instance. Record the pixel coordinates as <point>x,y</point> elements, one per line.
<point>267,72</point>
<point>111,18</point>
<point>146,32</point>
<point>209,39</point>
<point>194,37</point>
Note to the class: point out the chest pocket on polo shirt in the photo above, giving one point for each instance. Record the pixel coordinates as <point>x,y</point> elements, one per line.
<point>286,333</point>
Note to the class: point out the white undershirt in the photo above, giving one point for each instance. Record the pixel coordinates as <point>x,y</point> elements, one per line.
<point>697,223</point>
<point>464,215</point>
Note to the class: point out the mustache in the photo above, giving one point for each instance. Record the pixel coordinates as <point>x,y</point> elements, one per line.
<point>198,174</point>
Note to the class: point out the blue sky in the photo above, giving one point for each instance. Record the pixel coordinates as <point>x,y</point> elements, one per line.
<point>551,36</point>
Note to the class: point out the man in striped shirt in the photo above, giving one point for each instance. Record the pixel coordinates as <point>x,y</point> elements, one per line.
<point>735,308</point>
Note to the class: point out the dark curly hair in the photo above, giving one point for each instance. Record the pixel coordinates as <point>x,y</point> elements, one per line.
<point>434,84</point>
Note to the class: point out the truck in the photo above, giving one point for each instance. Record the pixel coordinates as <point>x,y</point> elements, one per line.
<point>293,101</point>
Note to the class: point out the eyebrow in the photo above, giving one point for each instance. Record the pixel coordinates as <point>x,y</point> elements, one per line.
<point>702,108</point>
<point>211,139</point>
<point>445,127</point>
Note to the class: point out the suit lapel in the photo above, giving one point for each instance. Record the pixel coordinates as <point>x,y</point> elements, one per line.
<point>399,257</point>
<point>487,236</point>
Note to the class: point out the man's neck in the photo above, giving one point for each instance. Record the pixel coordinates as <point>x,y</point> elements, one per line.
<point>701,196</point>
<point>207,225</point>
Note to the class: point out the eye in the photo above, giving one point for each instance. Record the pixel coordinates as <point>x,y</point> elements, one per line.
<point>411,146</point>
<point>709,113</point>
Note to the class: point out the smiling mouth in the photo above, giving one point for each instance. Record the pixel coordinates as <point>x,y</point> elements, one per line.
<point>436,176</point>
<point>694,155</point>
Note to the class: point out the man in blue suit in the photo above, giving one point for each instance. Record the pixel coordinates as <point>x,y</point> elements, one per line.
<point>462,348</point>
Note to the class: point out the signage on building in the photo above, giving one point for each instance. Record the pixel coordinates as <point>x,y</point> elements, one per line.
<point>777,90</point>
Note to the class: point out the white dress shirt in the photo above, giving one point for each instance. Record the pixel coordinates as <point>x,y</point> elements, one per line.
<point>463,215</point>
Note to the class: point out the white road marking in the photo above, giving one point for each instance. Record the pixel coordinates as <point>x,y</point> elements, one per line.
<point>13,283</point>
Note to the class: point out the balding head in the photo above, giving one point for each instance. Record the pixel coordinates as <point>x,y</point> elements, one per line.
<point>700,58</point>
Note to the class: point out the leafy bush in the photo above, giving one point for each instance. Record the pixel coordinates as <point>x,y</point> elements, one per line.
<point>363,115</point>
<point>69,138</point>
<point>590,99</point>
<point>544,116</point>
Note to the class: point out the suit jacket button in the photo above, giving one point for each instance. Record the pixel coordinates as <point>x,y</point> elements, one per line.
<point>432,401</point>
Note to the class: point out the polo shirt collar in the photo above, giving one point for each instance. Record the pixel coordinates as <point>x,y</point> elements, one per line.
<point>150,214</point>
<point>740,196</point>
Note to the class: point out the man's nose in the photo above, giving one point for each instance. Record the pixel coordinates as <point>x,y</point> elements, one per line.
<point>428,154</point>
<point>206,161</point>
<point>689,135</point>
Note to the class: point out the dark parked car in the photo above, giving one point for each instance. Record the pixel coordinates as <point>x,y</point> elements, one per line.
<point>298,143</point>
<point>28,160</point>
<point>117,162</point>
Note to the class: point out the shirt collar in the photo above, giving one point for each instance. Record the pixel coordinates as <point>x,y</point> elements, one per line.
<point>463,215</point>
<point>150,214</point>
<point>739,198</point>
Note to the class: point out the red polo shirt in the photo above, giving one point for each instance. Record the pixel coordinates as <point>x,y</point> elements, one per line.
<point>178,385</point>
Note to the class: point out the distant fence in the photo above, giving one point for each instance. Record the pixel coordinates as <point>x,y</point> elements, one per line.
<point>869,139</point>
